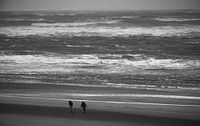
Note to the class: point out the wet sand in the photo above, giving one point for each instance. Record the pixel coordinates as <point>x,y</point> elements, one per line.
<point>23,115</point>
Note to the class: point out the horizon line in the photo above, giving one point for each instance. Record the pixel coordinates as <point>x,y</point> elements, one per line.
<point>100,9</point>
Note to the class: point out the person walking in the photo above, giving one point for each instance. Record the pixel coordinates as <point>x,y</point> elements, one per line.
<point>84,106</point>
<point>71,106</point>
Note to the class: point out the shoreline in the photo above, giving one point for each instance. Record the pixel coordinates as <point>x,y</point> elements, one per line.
<point>53,87</point>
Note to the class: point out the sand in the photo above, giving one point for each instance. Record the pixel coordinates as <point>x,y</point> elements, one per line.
<point>29,115</point>
<point>41,111</point>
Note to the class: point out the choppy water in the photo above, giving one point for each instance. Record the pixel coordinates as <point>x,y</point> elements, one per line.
<point>134,49</point>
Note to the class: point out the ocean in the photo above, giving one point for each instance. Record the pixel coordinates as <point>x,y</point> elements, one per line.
<point>150,50</point>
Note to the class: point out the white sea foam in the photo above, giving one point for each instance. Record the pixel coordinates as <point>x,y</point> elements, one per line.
<point>78,46</point>
<point>129,95</point>
<point>77,63</point>
<point>41,94</point>
<point>55,14</point>
<point>24,19</point>
<point>177,19</point>
<point>74,24</point>
<point>116,85</point>
<point>112,85</point>
<point>79,29</point>
<point>128,17</point>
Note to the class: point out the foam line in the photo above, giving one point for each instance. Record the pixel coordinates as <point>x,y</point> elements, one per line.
<point>102,31</point>
<point>177,19</point>
<point>137,61</point>
<point>109,102</point>
<point>110,95</point>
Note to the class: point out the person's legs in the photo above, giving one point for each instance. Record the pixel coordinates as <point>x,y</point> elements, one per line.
<point>84,110</point>
<point>71,109</point>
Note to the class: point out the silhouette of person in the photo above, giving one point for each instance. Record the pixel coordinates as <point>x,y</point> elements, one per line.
<point>84,106</point>
<point>71,106</point>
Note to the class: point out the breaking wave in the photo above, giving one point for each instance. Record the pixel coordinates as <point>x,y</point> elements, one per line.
<point>25,19</point>
<point>42,14</point>
<point>89,63</point>
<point>49,94</point>
<point>78,46</point>
<point>177,19</point>
<point>81,29</point>
<point>128,17</point>
<point>74,24</point>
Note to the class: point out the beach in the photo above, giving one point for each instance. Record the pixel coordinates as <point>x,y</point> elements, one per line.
<point>22,109</point>
<point>24,115</point>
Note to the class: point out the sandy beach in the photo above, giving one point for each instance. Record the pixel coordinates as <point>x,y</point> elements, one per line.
<point>28,109</point>
<point>29,115</point>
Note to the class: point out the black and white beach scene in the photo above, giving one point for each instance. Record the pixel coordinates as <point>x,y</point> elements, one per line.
<point>99,63</point>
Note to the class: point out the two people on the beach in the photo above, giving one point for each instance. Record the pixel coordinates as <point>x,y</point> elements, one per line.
<point>83,105</point>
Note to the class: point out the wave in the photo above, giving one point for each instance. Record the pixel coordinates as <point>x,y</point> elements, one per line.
<point>177,19</point>
<point>74,24</point>
<point>151,87</point>
<point>89,63</point>
<point>24,19</point>
<point>78,46</point>
<point>116,85</point>
<point>81,29</point>
<point>127,17</point>
<point>133,57</point>
<point>110,85</point>
<point>55,13</point>
<point>60,95</point>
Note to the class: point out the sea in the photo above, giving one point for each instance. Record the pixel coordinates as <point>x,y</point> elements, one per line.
<point>151,50</point>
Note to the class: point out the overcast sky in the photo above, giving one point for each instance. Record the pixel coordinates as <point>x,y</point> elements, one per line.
<point>98,4</point>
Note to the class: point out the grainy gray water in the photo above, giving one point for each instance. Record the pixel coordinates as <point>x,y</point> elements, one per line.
<point>123,49</point>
